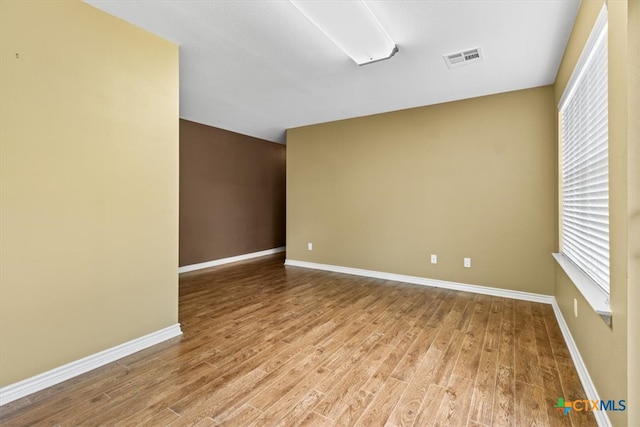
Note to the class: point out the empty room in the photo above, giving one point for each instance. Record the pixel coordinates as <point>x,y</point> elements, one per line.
<point>320,213</point>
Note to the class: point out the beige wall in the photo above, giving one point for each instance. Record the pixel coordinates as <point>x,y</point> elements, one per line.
<point>633,163</point>
<point>604,348</point>
<point>473,178</point>
<point>89,163</point>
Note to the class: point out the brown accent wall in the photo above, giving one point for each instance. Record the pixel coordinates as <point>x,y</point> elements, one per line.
<point>232,194</point>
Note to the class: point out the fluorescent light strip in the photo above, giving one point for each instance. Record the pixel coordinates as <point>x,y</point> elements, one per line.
<point>351,26</point>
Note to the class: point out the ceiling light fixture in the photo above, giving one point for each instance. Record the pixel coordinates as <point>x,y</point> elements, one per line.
<point>351,26</point>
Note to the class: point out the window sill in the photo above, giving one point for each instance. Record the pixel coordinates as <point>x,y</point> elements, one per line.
<point>597,298</point>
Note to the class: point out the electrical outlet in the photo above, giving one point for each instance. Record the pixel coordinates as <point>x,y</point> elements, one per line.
<point>467,262</point>
<point>575,307</point>
<point>309,246</point>
<point>434,259</point>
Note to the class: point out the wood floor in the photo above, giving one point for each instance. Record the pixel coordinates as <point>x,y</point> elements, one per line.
<point>268,345</point>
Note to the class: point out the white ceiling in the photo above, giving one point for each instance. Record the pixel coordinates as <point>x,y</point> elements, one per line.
<point>258,67</point>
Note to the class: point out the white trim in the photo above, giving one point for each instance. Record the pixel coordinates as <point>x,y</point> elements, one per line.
<point>589,388</point>
<point>598,33</point>
<point>62,373</point>
<point>584,170</point>
<point>485,290</point>
<point>221,261</point>
<point>597,297</point>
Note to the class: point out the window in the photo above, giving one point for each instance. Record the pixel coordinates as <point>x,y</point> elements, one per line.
<point>584,142</point>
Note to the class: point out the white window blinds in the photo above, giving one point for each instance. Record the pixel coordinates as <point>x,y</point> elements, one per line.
<point>585,161</point>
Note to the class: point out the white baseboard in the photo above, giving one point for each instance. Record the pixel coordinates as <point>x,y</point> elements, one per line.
<point>589,388</point>
<point>215,262</point>
<point>591,393</point>
<point>485,290</point>
<point>57,375</point>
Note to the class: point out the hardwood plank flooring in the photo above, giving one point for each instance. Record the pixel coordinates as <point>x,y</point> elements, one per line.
<point>269,345</point>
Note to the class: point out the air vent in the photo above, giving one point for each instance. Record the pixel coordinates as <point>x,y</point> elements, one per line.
<point>465,57</point>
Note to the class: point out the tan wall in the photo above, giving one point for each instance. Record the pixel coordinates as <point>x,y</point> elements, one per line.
<point>633,163</point>
<point>232,194</point>
<point>473,178</point>
<point>89,164</point>
<point>604,348</point>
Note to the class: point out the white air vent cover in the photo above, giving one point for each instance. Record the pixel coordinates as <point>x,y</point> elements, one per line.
<point>465,57</point>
